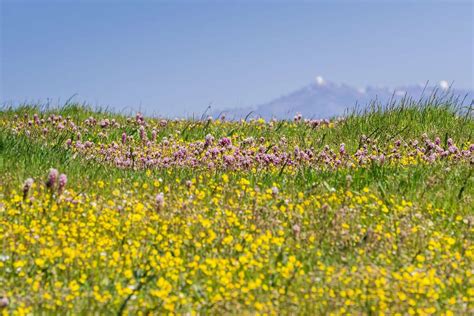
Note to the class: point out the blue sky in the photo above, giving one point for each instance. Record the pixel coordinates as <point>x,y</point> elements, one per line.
<point>177,58</point>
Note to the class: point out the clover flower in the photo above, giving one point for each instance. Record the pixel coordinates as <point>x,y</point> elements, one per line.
<point>139,118</point>
<point>26,187</point>
<point>4,302</point>
<point>275,191</point>
<point>62,182</point>
<point>160,200</point>
<point>104,123</point>
<point>142,132</point>
<point>342,149</point>
<point>224,142</point>
<point>296,230</point>
<point>208,140</point>
<point>52,177</point>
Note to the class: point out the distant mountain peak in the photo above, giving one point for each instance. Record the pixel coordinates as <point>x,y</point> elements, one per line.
<point>320,81</point>
<point>323,98</point>
<point>443,84</point>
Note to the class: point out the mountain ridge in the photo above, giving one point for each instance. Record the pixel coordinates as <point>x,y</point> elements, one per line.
<point>324,99</point>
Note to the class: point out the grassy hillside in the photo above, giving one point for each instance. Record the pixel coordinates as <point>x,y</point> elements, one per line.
<point>364,214</point>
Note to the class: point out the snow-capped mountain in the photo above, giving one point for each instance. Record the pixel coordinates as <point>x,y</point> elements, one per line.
<point>323,99</point>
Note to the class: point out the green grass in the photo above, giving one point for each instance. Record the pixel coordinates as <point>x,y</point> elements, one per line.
<point>21,157</point>
<point>396,223</point>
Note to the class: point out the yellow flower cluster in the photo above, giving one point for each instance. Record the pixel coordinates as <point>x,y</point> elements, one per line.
<point>228,245</point>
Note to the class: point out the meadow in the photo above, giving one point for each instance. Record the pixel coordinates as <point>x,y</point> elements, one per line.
<point>370,213</point>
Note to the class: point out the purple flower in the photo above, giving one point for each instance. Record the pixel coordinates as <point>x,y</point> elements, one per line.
<point>124,138</point>
<point>229,160</point>
<point>275,191</point>
<point>142,133</point>
<point>52,177</point>
<point>224,142</point>
<point>342,149</point>
<point>62,182</point>
<point>26,187</point>
<point>432,157</point>
<point>452,149</point>
<point>139,118</point>
<point>4,302</point>
<point>160,200</point>
<point>296,229</point>
<point>104,123</point>
<point>382,158</point>
<point>208,140</point>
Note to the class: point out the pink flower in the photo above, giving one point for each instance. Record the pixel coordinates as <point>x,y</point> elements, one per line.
<point>4,302</point>
<point>208,140</point>
<point>62,182</point>
<point>452,149</point>
<point>342,149</point>
<point>275,191</point>
<point>104,123</point>
<point>52,177</point>
<point>26,187</point>
<point>160,200</point>
<point>296,229</point>
<point>142,132</point>
<point>224,142</point>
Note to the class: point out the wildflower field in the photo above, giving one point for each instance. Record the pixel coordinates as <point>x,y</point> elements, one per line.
<point>371,213</point>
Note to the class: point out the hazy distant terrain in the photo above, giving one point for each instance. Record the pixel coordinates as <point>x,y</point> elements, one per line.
<point>323,99</point>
